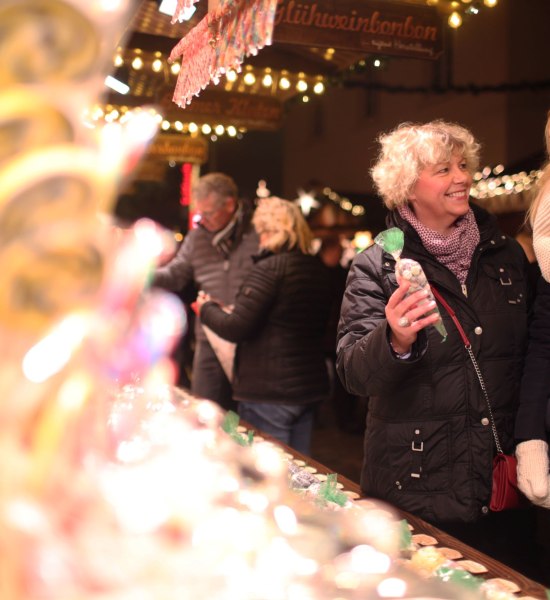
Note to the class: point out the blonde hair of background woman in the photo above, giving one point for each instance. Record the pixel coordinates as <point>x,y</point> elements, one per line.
<point>539,213</point>
<point>284,221</point>
<point>543,184</point>
<point>411,147</point>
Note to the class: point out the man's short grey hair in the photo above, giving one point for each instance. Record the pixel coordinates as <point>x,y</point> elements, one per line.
<point>410,147</point>
<point>218,183</point>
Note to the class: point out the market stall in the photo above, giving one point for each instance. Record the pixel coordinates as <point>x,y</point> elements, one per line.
<point>426,535</point>
<point>116,485</point>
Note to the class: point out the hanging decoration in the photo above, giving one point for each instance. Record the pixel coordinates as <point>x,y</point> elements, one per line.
<point>182,7</point>
<point>229,32</point>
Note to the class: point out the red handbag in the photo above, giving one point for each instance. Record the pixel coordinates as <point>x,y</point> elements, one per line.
<point>505,493</point>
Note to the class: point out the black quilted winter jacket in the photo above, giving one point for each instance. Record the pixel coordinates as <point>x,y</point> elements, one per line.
<point>428,442</point>
<point>278,322</point>
<point>533,419</point>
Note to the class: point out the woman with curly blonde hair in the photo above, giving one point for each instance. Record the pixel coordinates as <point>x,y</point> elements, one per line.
<point>278,322</point>
<point>428,442</point>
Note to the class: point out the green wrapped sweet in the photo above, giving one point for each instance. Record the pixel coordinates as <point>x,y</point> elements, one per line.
<point>392,241</point>
<point>230,426</point>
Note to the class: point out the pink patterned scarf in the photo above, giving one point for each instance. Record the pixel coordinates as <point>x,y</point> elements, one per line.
<point>455,251</point>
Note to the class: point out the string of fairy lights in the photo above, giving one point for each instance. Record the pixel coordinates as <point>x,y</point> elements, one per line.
<point>490,182</point>
<point>267,81</point>
<point>457,11</point>
<point>110,113</point>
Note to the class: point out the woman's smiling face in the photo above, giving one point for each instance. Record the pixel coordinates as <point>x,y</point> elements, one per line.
<point>441,193</point>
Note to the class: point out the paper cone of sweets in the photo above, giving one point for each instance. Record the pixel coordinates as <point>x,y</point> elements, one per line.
<point>392,241</point>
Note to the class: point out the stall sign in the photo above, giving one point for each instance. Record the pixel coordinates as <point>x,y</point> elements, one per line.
<point>230,108</point>
<point>365,26</point>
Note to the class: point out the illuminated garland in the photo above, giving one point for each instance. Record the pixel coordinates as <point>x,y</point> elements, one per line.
<point>499,193</point>
<point>486,186</point>
<point>456,11</point>
<point>110,113</point>
<point>265,80</point>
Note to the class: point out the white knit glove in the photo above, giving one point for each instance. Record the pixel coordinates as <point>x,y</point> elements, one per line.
<point>533,476</point>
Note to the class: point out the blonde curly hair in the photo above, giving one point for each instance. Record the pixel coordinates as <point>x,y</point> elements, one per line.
<point>285,223</point>
<point>411,147</point>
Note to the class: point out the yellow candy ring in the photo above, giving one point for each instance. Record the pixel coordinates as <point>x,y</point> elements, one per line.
<point>28,122</point>
<point>45,41</point>
<point>43,280</point>
<point>48,246</point>
<point>59,183</point>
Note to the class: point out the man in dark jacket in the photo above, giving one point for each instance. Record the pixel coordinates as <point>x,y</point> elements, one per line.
<point>215,256</point>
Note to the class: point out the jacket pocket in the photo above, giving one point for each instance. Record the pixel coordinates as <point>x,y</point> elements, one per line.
<point>508,283</point>
<point>420,456</point>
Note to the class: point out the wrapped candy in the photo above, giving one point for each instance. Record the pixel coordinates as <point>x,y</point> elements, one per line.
<point>392,241</point>
<point>300,478</point>
<point>230,425</point>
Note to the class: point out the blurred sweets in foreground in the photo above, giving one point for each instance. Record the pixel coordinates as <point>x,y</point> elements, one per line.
<point>62,304</point>
<point>115,486</point>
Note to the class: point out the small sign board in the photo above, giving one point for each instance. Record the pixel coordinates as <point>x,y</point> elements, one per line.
<point>253,111</point>
<point>180,148</point>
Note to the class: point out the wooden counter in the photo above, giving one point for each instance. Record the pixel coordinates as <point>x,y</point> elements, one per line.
<point>496,569</point>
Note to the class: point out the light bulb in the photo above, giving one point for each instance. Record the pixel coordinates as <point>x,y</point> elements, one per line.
<point>137,63</point>
<point>455,20</point>
<point>284,83</point>
<point>490,3</point>
<point>319,87</point>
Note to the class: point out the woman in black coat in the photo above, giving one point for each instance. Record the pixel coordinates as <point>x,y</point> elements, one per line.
<point>429,445</point>
<point>278,322</point>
